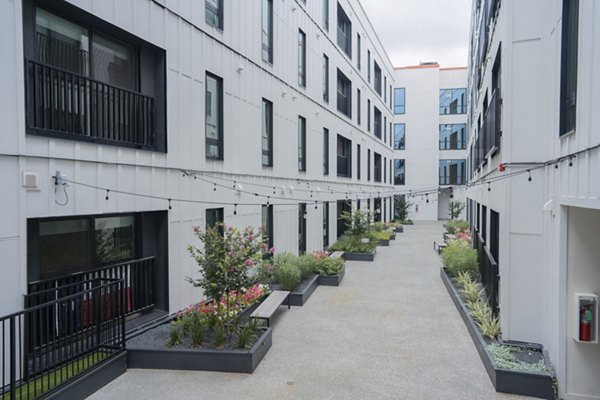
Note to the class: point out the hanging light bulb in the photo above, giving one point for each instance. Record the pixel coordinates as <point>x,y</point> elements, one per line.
<point>214,187</point>
<point>235,209</point>
<point>170,208</point>
<point>529,178</point>
<point>107,194</point>
<point>489,187</point>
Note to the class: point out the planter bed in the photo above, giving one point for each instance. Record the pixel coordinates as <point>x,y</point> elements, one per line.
<point>360,256</point>
<point>302,292</point>
<point>399,229</point>
<point>523,383</point>
<point>393,237</point>
<point>331,280</point>
<point>148,351</point>
<point>384,243</point>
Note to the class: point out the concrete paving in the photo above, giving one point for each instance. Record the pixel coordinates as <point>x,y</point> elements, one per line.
<point>390,331</point>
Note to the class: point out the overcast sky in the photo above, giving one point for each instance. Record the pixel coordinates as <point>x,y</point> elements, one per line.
<point>422,30</point>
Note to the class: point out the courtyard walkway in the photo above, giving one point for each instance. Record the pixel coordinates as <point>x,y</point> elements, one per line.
<point>390,331</point>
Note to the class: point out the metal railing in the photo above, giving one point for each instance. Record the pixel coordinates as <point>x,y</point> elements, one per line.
<point>49,345</point>
<point>489,271</point>
<point>63,102</point>
<point>137,275</point>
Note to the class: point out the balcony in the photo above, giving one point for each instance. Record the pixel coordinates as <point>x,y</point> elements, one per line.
<point>67,104</point>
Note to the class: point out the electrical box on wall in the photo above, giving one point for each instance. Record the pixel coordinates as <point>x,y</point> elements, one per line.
<point>586,314</point>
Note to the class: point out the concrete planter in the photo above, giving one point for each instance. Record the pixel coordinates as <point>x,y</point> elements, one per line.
<point>393,237</point>
<point>331,280</point>
<point>505,381</point>
<point>360,256</point>
<point>399,229</point>
<point>384,243</point>
<point>244,361</point>
<point>303,291</point>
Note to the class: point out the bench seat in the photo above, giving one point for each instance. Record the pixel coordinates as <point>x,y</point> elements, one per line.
<point>267,308</point>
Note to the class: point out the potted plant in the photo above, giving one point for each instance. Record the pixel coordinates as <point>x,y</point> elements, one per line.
<point>331,270</point>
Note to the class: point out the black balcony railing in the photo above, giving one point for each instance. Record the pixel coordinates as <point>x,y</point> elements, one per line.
<point>138,277</point>
<point>70,104</point>
<point>489,271</point>
<point>70,335</point>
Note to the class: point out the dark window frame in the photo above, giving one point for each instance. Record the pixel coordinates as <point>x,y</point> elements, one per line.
<point>461,108</point>
<point>267,32</point>
<point>301,58</point>
<point>344,160</point>
<point>399,109</point>
<point>344,31</point>
<point>301,144</point>
<point>568,67</point>
<point>219,142</point>
<point>344,94</point>
<point>325,78</point>
<point>399,171</point>
<point>268,153</point>
<point>218,12</point>
<point>325,151</point>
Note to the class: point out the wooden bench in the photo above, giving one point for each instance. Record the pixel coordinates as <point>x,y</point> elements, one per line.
<point>337,254</point>
<point>266,309</point>
<point>437,246</point>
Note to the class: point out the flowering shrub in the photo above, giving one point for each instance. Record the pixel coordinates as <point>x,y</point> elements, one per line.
<point>224,259</point>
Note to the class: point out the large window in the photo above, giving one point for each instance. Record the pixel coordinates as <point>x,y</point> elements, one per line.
<point>325,78</point>
<point>358,162</point>
<point>301,228</point>
<point>368,115</point>
<point>214,13</point>
<point>344,94</point>
<point>399,101</point>
<point>267,133</point>
<point>344,157</point>
<point>325,151</point>
<point>267,30</point>
<point>377,80</point>
<point>358,50</point>
<point>214,117</point>
<point>344,31</point>
<point>568,72</point>
<point>368,164</point>
<point>267,223</point>
<point>452,172</point>
<point>343,206</point>
<point>377,122</point>
<point>369,66</point>
<point>88,86</point>
<point>301,58</point>
<point>384,169</point>
<point>453,137</point>
<point>399,136</point>
<point>326,15</point>
<point>301,144</point>
<point>399,172</point>
<point>453,101</point>
<point>358,104</point>
<point>377,167</point>
<point>214,216</point>
<point>325,224</point>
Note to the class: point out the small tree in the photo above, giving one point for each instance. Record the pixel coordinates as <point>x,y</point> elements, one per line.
<point>358,221</point>
<point>401,207</point>
<point>455,207</point>
<point>224,259</point>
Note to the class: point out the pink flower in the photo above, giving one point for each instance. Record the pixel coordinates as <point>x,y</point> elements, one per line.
<point>263,246</point>
<point>231,269</point>
<point>272,250</point>
<point>196,229</point>
<point>249,263</point>
<point>251,238</point>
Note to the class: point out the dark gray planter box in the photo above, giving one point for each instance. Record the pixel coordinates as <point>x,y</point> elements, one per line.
<point>92,380</point>
<point>331,280</point>
<point>393,237</point>
<point>505,381</point>
<point>302,292</point>
<point>202,360</point>
<point>399,229</point>
<point>384,243</point>
<point>360,256</point>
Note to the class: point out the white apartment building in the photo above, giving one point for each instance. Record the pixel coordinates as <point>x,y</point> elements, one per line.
<point>534,195</point>
<point>157,116</point>
<point>430,139</point>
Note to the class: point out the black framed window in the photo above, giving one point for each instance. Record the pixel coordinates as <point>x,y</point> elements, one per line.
<point>325,78</point>
<point>453,137</point>
<point>358,163</point>
<point>568,70</point>
<point>384,89</point>
<point>214,216</point>
<point>377,167</point>
<point>377,122</point>
<point>344,157</point>
<point>267,223</point>
<point>325,151</point>
<point>301,58</point>
<point>214,117</point>
<point>484,223</point>
<point>267,31</point>
<point>302,228</point>
<point>453,101</point>
<point>369,66</point>
<point>301,143</point>
<point>494,243</point>
<point>391,170</point>
<point>358,104</point>
<point>342,207</point>
<point>368,164</point>
<point>399,136</point>
<point>344,94</point>
<point>358,51</point>
<point>399,101</point>
<point>326,15</point>
<point>384,169</point>
<point>391,105</point>
<point>452,172</point>
<point>377,80</point>
<point>399,172</point>
<point>214,13</point>
<point>368,115</point>
<point>267,133</point>
<point>344,31</point>
<point>325,224</point>
<point>384,129</point>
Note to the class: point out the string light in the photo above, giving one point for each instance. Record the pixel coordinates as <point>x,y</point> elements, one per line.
<point>235,209</point>
<point>107,194</point>
<point>170,208</point>
<point>489,187</point>
<point>529,177</point>
<point>570,161</point>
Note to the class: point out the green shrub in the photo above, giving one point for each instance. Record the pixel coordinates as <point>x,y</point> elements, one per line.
<point>329,266</point>
<point>480,310</point>
<point>352,244</point>
<point>463,278</point>
<point>471,292</point>
<point>378,227</point>
<point>459,257</point>
<point>378,236</point>
<point>453,227</point>
<point>264,272</point>
<point>283,258</point>
<point>490,327</point>
<point>306,265</point>
<point>287,274</point>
